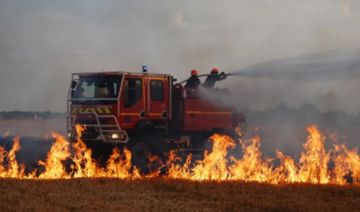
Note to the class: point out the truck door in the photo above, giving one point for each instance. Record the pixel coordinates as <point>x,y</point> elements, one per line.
<point>158,101</point>
<point>132,101</point>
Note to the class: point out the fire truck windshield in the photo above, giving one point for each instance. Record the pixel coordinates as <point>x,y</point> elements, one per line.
<point>104,87</point>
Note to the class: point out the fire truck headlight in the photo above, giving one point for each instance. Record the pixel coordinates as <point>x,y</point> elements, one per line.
<point>114,136</point>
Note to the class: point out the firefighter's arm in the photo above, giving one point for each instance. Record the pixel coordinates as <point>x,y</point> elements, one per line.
<point>222,76</point>
<point>187,80</point>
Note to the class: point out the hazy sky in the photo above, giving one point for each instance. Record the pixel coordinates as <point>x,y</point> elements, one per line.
<point>43,41</point>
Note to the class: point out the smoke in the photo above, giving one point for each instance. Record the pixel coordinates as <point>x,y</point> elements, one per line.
<point>324,67</point>
<point>42,42</point>
<point>316,67</point>
<point>218,99</point>
<point>327,66</point>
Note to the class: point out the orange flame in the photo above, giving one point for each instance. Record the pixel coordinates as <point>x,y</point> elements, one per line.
<point>54,167</point>
<point>313,166</point>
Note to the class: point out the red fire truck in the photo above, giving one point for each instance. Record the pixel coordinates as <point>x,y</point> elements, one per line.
<point>148,113</point>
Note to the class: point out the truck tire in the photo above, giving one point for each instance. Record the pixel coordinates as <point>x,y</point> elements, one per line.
<point>100,152</point>
<point>139,155</point>
<point>148,143</point>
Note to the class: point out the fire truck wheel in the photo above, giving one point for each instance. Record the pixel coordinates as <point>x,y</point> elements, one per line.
<point>139,154</point>
<point>148,144</point>
<point>99,151</point>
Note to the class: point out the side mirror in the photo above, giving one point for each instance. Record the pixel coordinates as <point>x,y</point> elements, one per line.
<point>72,94</point>
<point>73,84</point>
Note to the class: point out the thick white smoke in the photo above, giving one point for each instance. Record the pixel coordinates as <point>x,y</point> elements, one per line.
<point>42,42</point>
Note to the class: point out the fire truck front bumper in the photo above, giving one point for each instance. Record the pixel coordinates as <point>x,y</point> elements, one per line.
<point>114,137</point>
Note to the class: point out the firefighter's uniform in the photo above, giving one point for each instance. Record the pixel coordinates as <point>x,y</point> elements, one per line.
<point>101,90</point>
<point>193,81</point>
<point>213,78</point>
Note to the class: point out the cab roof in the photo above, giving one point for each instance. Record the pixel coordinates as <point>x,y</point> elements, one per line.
<point>120,73</point>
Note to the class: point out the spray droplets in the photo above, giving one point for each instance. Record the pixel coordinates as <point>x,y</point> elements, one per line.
<point>316,67</point>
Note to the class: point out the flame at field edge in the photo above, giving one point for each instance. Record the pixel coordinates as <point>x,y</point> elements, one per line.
<point>313,166</point>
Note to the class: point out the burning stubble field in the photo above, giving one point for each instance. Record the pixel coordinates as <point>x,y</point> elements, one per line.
<point>320,177</point>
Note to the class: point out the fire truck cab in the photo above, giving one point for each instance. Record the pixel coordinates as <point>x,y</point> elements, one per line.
<point>148,112</point>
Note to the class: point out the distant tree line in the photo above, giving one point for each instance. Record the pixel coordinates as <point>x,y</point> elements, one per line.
<point>31,115</point>
<point>282,114</point>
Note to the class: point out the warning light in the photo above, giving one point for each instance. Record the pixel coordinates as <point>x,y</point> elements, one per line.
<point>144,68</point>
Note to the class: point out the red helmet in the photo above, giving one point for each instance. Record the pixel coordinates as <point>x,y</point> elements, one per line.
<point>215,70</point>
<point>194,72</point>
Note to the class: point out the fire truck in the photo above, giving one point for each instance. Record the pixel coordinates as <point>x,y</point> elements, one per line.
<point>148,113</point>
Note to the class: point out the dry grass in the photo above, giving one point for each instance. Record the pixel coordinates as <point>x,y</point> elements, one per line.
<point>171,195</point>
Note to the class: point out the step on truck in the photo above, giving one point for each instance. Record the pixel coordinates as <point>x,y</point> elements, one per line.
<point>148,113</point>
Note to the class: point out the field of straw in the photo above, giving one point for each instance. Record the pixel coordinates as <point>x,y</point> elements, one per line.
<point>172,195</point>
<point>162,194</point>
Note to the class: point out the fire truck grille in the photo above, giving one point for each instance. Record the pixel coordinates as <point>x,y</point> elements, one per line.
<point>89,121</point>
<point>89,135</point>
<point>90,132</point>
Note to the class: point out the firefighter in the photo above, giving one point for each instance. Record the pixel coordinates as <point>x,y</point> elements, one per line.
<point>213,78</point>
<point>193,81</point>
<point>101,90</point>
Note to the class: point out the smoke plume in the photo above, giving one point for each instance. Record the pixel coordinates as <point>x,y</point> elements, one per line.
<point>42,42</point>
